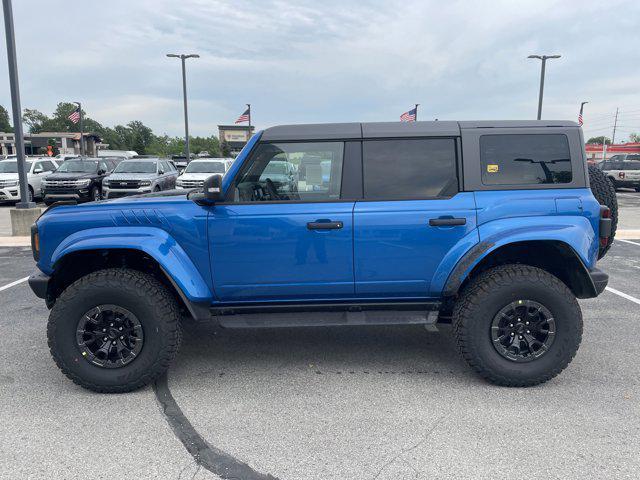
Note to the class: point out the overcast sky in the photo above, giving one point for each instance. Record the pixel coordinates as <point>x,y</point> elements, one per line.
<point>328,61</point>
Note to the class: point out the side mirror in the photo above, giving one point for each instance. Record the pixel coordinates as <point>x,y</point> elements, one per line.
<point>213,188</point>
<point>160,172</point>
<point>101,171</point>
<point>37,170</point>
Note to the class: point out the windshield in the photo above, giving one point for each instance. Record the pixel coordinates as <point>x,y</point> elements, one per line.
<point>276,168</point>
<point>136,167</point>
<point>205,167</point>
<point>78,166</point>
<point>12,167</point>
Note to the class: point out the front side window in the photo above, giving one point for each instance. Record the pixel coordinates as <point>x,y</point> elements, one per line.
<point>409,169</point>
<point>292,171</point>
<point>631,165</point>
<point>525,159</point>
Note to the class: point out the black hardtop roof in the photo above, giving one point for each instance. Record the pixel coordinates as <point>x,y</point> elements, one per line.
<point>346,131</point>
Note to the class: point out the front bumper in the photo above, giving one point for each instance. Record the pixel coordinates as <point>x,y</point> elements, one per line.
<point>599,279</point>
<point>10,193</point>
<point>123,192</point>
<point>53,196</point>
<point>39,283</point>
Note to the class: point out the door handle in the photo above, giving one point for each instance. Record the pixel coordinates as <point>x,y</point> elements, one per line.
<point>447,222</point>
<point>324,225</point>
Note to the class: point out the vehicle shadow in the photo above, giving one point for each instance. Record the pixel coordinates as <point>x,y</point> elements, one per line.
<point>322,350</point>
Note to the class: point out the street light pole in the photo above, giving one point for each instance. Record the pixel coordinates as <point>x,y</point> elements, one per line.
<point>16,107</point>
<point>183,57</point>
<point>544,59</point>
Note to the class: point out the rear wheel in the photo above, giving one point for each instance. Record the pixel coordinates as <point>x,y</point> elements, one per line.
<point>30,194</point>
<point>604,191</point>
<point>517,325</point>
<point>95,194</point>
<point>114,330</point>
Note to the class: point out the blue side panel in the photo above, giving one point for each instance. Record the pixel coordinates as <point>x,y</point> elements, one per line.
<point>570,216</point>
<point>264,251</point>
<point>397,252</point>
<point>170,229</point>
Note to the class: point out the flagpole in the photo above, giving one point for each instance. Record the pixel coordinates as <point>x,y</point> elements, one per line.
<point>81,129</point>
<point>417,111</point>
<point>581,109</point>
<point>249,108</point>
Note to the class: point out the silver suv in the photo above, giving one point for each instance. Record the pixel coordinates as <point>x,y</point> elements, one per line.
<point>140,175</point>
<point>622,174</point>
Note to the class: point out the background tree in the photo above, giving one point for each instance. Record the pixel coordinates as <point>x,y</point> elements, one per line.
<point>599,140</point>
<point>634,138</point>
<point>34,120</point>
<point>5,124</point>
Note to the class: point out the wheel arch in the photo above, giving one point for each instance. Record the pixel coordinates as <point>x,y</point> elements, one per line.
<point>555,256</point>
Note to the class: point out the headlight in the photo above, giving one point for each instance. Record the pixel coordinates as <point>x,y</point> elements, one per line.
<point>145,183</point>
<point>179,183</point>
<point>105,182</point>
<point>10,183</point>
<point>83,183</point>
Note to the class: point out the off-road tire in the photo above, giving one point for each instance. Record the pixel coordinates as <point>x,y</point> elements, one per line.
<point>486,295</point>
<point>140,293</point>
<point>95,194</point>
<point>605,193</point>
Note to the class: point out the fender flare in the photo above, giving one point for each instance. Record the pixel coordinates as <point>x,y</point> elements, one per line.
<point>155,242</point>
<point>569,233</point>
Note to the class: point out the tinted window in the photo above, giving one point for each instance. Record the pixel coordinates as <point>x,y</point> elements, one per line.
<point>633,157</point>
<point>205,167</point>
<point>403,169</point>
<point>525,159</point>
<point>292,171</point>
<point>48,166</point>
<point>631,165</point>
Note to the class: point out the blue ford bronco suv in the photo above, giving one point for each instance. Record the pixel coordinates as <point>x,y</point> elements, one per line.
<point>491,226</point>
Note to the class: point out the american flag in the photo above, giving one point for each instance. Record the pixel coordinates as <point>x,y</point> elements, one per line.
<point>409,116</point>
<point>75,115</point>
<point>244,117</point>
<point>580,119</point>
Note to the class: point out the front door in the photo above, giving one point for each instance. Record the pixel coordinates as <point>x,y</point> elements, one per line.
<point>283,233</point>
<point>411,217</point>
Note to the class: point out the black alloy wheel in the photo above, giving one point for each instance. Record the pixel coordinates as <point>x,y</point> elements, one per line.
<point>523,331</point>
<point>109,336</point>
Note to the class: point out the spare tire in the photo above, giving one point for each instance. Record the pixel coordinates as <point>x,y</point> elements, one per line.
<point>606,195</point>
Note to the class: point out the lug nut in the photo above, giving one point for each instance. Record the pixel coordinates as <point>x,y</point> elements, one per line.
<point>520,337</point>
<point>528,331</point>
<point>104,329</point>
<point>512,334</point>
<point>511,325</point>
<point>120,328</point>
<point>526,323</point>
<point>121,338</point>
<point>114,342</point>
<point>111,324</point>
<point>105,339</point>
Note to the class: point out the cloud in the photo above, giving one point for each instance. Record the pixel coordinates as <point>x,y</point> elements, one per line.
<point>309,61</point>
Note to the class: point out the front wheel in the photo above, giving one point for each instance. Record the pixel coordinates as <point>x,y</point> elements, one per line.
<point>114,330</point>
<point>95,194</point>
<point>517,325</point>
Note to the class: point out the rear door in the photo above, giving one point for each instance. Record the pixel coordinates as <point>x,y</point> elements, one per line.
<point>412,215</point>
<point>282,238</point>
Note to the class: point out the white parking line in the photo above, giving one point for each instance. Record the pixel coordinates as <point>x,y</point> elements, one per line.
<point>13,284</point>
<point>623,295</point>
<point>630,195</point>
<point>627,241</point>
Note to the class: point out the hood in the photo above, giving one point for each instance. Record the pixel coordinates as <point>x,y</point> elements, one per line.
<point>8,176</point>
<point>132,176</point>
<point>195,176</point>
<point>70,176</point>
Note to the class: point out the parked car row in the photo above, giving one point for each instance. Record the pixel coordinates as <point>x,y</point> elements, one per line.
<point>84,179</point>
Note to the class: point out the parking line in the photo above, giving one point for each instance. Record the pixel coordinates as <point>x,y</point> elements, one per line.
<point>623,295</point>
<point>13,284</point>
<point>627,241</point>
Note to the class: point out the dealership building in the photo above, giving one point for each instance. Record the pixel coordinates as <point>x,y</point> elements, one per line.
<point>235,136</point>
<point>596,152</point>
<point>36,143</point>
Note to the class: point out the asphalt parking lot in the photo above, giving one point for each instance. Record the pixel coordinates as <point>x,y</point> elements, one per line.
<point>332,403</point>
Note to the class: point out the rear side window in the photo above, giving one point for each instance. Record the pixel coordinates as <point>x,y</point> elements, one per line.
<point>406,169</point>
<point>525,159</point>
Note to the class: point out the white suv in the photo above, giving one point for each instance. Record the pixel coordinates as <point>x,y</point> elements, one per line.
<point>200,169</point>
<point>37,169</point>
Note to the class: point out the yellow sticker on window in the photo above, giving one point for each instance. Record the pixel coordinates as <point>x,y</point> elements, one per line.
<point>492,168</point>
